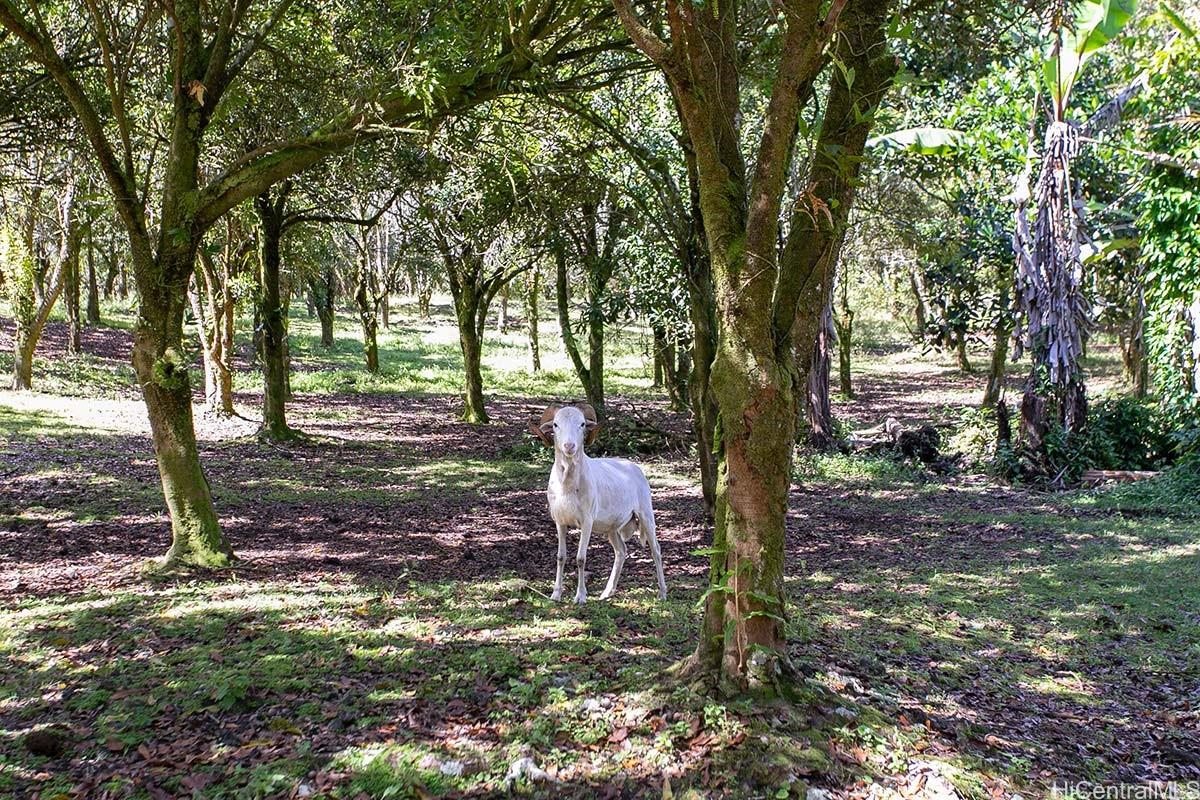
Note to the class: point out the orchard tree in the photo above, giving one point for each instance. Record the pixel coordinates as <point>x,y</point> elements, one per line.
<point>768,298</point>
<point>474,212</point>
<point>174,64</point>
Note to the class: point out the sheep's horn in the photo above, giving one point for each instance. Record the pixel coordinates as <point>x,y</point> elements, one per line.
<point>539,430</point>
<point>589,414</point>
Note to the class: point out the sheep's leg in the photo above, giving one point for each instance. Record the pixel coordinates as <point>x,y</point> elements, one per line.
<point>585,533</point>
<point>562,563</point>
<point>646,521</point>
<point>619,550</point>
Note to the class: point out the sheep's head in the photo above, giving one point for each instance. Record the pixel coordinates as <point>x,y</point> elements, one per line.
<point>568,428</point>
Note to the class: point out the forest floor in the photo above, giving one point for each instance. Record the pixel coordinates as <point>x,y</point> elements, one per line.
<point>388,631</point>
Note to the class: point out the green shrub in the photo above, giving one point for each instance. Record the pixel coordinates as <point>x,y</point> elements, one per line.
<point>1123,433</point>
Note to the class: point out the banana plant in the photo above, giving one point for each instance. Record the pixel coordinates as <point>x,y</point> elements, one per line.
<point>1054,311</point>
<point>1095,23</point>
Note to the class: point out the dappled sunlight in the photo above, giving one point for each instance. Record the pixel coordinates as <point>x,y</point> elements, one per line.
<point>389,622</point>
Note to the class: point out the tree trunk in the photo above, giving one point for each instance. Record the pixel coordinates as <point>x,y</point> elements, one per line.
<point>31,308</point>
<point>474,407</point>
<point>73,287</point>
<point>1001,332</point>
<point>533,288</point>
<point>564,318</point>
<point>821,432</point>
<point>768,305</point>
<point>1137,366</point>
<point>920,311</point>
<point>502,319</point>
<point>122,279</point>
<point>271,313</point>
<point>844,329</point>
<point>470,311</point>
<point>590,376</point>
<point>663,354</point>
<point>995,381</point>
<point>210,328</point>
<point>161,367</point>
<point>322,290</point>
<point>254,356</point>
<point>367,315</point>
<point>110,278</point>
<point>960,351</point>
<point>93,290</point>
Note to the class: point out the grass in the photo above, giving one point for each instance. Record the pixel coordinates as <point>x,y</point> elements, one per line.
<point>423,357</point>
<point>499,668</point>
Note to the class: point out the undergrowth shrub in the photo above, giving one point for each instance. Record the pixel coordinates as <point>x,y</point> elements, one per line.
<point>1122,433</point>
<point>974,436</point>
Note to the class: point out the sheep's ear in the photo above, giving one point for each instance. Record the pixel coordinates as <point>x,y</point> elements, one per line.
<point>593,424</point>
<point>544,430</point>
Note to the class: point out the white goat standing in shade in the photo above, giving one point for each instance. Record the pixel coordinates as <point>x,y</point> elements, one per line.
<point>610,496</point>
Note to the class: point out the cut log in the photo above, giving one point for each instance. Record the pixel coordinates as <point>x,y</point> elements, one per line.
<point>1094,477</point>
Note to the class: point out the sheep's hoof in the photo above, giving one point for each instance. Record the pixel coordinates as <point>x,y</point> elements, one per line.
<point>606,595</point>
<point>580,599</point>
<point>556,597</point>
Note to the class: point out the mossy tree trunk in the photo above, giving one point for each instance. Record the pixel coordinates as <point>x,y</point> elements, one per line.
<point>270,207</point>
<point>323,289</point>
<point>595,247</point>
<point>768,303</point>
<point>474,283</point>
<point>368,313</point>
<point>214,306</point>
<point>470,310</point>
<point>672,366</point>
<point>32,308</point>
<point>961,358</point>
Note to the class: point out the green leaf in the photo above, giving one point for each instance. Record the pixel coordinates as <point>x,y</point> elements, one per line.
<point>1172,16</point>
<point>1096,23</point>
<point>923,141</point>
<point>1102,247</point>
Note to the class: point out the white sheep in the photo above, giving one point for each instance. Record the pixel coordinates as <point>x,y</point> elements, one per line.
<point>610,496</point>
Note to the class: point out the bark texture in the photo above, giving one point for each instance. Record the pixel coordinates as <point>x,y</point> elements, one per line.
<point>270,208</point>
